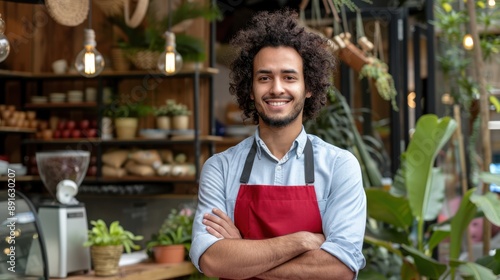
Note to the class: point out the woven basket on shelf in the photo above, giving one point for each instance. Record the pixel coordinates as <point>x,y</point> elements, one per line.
<point>105,259</point>
<point>144,59</point>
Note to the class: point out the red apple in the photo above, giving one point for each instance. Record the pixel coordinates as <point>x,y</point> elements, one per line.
<point>61,125</point>
<point>93,123</point>
<point>70,125</point>
<point>92,171</point>
<point>57,134</point>
<point>91,133</point>
<point>84,124</point>
<point>66,133</point>
<point>76,133</point>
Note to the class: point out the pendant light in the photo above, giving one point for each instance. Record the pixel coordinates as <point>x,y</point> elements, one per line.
<point>170,61</point>
<point>468,42</point>
<point>89,62</point>
<point>4,43</point>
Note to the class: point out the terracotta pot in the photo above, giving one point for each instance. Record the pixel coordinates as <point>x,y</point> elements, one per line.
<point>126,128</point>
<point>105,259</point>
<point>169,253</point>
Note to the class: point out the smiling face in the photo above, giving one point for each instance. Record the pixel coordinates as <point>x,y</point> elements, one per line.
<point>278,87</point>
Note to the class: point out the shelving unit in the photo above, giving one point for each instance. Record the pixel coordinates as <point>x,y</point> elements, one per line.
<point>36,83</point>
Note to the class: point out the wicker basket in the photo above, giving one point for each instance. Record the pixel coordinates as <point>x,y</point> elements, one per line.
<point>119,60</point>
<point>105,259</point>
<point>68,12</point>
<point>144,59</point>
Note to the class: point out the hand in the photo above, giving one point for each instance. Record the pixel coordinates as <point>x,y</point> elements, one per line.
<point>220,225</point>
<point>313,241</point>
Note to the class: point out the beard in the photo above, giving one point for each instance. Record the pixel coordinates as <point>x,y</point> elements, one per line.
<point>280,122</point>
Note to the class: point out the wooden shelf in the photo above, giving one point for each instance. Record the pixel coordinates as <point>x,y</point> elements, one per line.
<point>206,71</point>
<point>109,179</point>
<point>9,129</point>
<point>146,179</point>
<point>146,270</point>
<point>62,141</point>
<point>24,178</point>
<point>62,105</point>
<point>140,141</point>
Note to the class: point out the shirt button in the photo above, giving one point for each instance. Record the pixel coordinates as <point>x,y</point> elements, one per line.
<point>279,168</point>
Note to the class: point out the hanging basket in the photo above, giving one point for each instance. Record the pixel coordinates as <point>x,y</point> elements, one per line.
<point>352,55</point>
<point>68,12</point>
<point>110,7</point>
<point>105,259</point>
<point>144,59</point>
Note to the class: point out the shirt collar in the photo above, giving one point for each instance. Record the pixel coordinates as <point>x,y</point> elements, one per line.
<point>298,144</point>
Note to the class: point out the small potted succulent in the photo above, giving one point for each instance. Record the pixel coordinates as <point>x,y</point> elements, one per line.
<point>173,239</point>
<point>163,115</point>
<point>107,245</point>
<point>179,114</point>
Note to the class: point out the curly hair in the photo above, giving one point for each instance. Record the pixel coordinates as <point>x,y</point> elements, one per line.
<point>275,29</point>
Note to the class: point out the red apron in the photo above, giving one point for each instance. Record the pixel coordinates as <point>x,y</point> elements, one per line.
<point>266,211</point>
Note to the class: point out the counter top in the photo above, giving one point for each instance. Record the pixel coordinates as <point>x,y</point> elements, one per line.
<point>145,270</point>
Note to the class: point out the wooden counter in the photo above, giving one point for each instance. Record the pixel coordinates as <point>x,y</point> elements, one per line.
<point>146,270</point>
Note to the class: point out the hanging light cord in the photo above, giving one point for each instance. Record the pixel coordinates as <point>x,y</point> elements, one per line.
<point>90,14</point>
<point>169,14</point>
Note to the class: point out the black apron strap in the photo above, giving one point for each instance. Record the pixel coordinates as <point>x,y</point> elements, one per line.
<point>308,163</point>
<point>247,169</point>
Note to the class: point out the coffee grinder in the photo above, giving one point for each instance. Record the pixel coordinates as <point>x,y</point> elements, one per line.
<point>64,220</point>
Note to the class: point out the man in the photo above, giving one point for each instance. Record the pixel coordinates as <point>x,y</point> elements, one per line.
<point>281,204</point>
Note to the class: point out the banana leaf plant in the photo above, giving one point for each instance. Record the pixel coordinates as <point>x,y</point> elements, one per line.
<point>335,124</point>
<point>397,222</point>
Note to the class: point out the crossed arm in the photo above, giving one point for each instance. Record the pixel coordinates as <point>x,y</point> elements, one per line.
<point>294,256</point>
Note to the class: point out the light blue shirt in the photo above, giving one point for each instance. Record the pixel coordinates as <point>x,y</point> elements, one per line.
<point>338,185</point>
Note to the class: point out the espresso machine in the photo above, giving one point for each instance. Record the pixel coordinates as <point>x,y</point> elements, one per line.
<point>64,220</point>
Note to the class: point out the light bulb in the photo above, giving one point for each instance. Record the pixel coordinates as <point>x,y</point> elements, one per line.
<point>468,42</point>
<point>89,62</point>
<point>4,43</point>
<point>170,61</point>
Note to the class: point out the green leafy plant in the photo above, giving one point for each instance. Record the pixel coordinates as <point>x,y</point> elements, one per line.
<point>123,107</point>
<point>379,72</point>
<point>176,109</point>
<point>398,216</point>
<point>100,235</point>
<point>335,124</point>
<point>151,36</point>
<point>175,230</point>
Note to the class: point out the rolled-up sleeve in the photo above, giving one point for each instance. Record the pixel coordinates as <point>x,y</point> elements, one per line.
<point>211,195</point>
<point>344,217</point>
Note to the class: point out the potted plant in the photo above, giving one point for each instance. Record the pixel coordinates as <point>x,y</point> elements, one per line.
<point>415,199</point>
<point>162,114</point>
<point>179,114</point>
<point>378,71</point>
<point>126,114</point>
<point>107,245</point>
<point>143,45</point>
<point>170,243</point>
